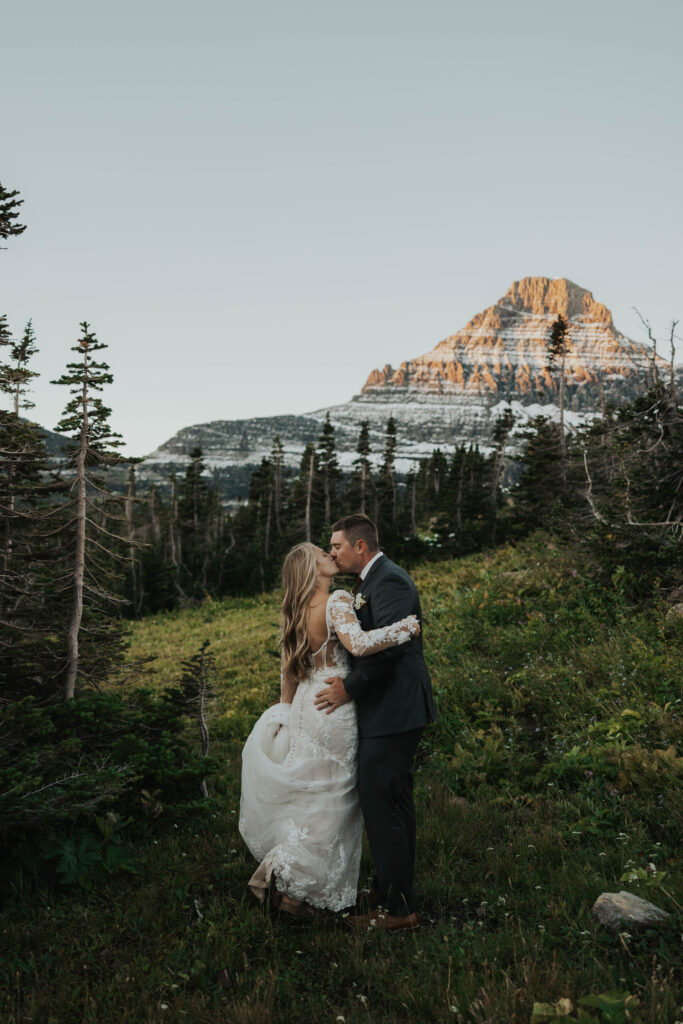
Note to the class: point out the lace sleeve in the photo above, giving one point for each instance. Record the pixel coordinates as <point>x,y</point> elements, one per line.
<point>356,640</point>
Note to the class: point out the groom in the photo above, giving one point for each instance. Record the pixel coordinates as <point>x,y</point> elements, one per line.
<point>393,696</point>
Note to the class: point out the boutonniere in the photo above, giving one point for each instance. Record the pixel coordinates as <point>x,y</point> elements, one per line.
<point>358,602</point>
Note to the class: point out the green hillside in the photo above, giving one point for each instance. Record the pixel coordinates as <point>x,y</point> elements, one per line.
<point>553,775</point>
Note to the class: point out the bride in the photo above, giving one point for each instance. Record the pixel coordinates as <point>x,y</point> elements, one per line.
<point>299,809</point>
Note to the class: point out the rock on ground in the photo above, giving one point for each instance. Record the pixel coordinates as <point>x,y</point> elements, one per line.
<point>619,910</point>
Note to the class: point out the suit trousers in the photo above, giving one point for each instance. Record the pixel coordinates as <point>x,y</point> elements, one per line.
<point>385,783</point>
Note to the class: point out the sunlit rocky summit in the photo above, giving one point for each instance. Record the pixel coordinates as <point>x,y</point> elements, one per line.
<point>452,394</point>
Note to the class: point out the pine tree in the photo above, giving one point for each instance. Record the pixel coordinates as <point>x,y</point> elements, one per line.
<point>540,494</point>
<point>277,458</point>
<point>15,377</point>
<point>89,517</point>
<point>196,696</point>
<point>28,616</point>
<point>256,526</point>
<point>9,214</point>
<point>198,527</point>
<point>387,482</point>
<point>134,580</point>
<point>502,428</point>
<point>330,473</point>
<point>631,468</point>
<point>306,505</point>
<point>361,484</point>
<point>558,348</point>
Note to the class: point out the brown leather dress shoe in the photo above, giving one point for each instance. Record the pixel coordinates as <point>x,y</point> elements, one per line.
<point>381,922</point>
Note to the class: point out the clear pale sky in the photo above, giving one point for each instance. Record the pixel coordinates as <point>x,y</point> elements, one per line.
<point>255,204</point>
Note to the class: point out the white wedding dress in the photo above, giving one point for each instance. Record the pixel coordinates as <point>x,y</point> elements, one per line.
<point>299,809</point>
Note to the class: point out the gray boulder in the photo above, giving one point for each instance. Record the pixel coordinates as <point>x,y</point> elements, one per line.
<point>622,910</point>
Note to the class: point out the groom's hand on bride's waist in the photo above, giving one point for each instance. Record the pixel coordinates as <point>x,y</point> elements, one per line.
<point>333,696</point>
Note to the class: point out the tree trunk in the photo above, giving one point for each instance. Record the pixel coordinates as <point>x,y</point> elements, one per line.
<point>277,484</point>
<point>458,494</point>
<point>328,504</point>
<point>309,495</point>
<point>413,502</point>
<point>173,520</point>
<point>7,546</point>
<point>154,513</point>
<point>266,535</point>
<point>203,727</point>
<point>79,561</point>
<point>130,511</point>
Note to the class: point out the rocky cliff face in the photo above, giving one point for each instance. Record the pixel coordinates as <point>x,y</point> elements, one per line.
<point>450,395</point>
<point>502,353</point>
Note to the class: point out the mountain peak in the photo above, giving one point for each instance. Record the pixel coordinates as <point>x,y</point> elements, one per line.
<point>502,353</point>
<point>545,296</point>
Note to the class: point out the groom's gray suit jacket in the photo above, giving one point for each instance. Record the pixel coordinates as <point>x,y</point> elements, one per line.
<point>392,689</point>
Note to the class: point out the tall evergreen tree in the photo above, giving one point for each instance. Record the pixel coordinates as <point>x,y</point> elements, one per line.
<point>558,349</point>
<point>330,473</point>
<point>388,504</point>
<point>277,458</point>
<point>540,496</point>
<point>502,428</point>
<point>361,482</point>
<point>28,616</point>
<point>16,376</point>
<point>306,505</point>
<point>199,519</point>
<point>88,517</point>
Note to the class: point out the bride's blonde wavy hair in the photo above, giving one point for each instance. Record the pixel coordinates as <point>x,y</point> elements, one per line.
<point>299,578</point>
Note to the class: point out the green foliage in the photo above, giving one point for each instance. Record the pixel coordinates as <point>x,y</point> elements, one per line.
<point>9,213</point>
<point>518,639</point>
<point>86,858</point>
<point>612,1007</point>
<point>63,766</point>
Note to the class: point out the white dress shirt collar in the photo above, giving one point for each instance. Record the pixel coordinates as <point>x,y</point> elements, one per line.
<point>366,569</point>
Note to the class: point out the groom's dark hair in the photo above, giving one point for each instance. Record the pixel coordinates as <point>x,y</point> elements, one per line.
<point>358,527</point>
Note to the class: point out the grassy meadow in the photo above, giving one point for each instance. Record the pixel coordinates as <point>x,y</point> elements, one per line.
<point>554,774</point>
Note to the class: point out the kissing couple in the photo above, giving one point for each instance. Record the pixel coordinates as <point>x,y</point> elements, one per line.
<point>355,697</point>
